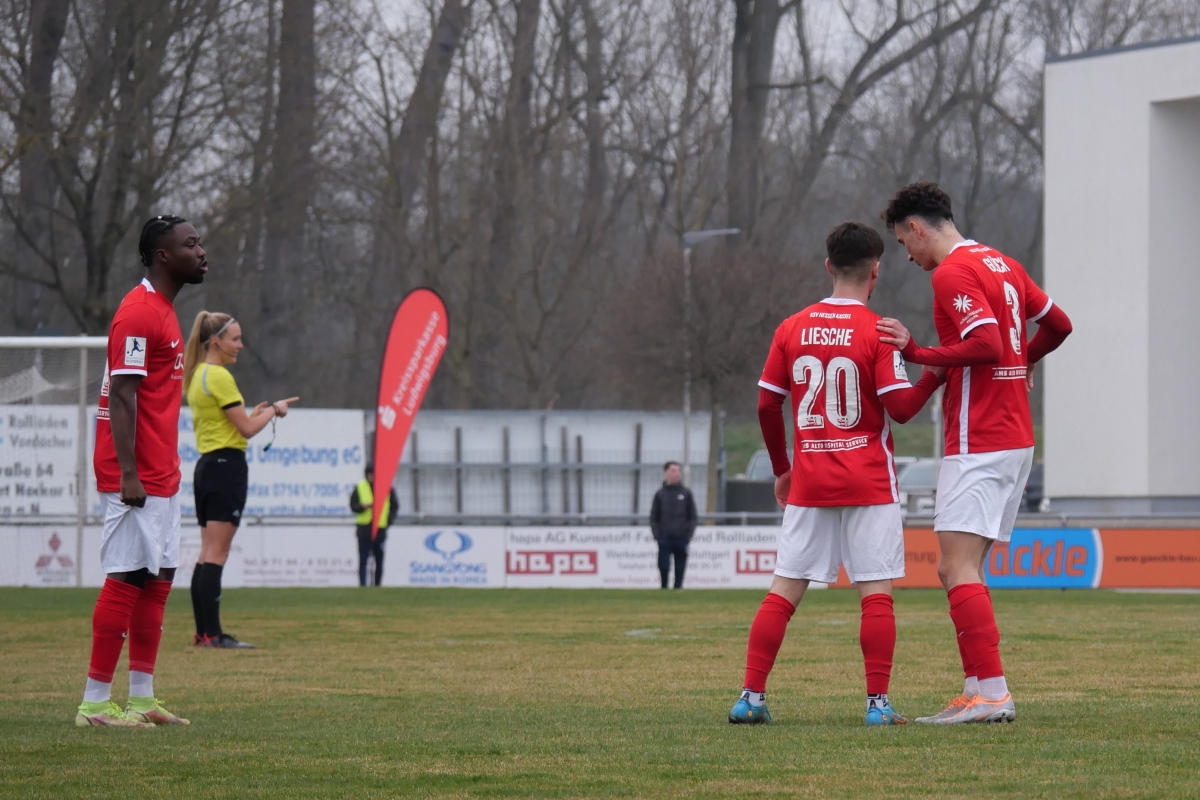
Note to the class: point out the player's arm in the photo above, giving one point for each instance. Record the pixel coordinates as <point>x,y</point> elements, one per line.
<point>655,513</point>
<point>122,412</point>
<point>774,432</point>
<point>250,422</point>
<point>770,421</point>
<point>981,345</point>
<point>691,517</point>
<point>393,508</point>
<point>1053,328</point>
<point>904,403</point>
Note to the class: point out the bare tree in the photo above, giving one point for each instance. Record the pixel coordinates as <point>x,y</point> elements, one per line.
<point>129,107</point>
<point>34,133</point>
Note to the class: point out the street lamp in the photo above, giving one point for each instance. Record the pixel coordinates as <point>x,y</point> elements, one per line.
<point>690,240</point>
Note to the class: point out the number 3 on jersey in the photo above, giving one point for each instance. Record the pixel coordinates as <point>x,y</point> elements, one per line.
<point>1014,308</point>
<point>842,394</point>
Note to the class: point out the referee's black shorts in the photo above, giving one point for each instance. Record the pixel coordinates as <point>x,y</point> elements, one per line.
<point>219,484</point>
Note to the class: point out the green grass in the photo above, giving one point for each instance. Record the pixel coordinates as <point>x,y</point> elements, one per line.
<point>592,693</point>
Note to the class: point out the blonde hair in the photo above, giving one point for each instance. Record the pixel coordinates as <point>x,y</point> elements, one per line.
<point>208,326</point>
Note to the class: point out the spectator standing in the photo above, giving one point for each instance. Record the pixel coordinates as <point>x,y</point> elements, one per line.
<point>673,522</point>
<point>362,503</point>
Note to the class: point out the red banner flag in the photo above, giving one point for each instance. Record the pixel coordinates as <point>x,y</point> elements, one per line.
<point>414,348</point>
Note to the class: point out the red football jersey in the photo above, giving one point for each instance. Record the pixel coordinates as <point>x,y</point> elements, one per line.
<point>986,407</point>
<point>829,359</point>
<point>144,339</point>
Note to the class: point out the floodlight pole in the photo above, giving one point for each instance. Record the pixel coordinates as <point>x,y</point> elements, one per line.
<point>690,240</point>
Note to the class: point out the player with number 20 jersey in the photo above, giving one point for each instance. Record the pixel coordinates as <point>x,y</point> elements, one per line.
<point>829,359</point>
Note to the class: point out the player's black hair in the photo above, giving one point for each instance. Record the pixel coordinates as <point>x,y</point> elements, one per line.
<point>670,464</point>
<point>923,199</point>
<point>853,244</point>
<point>152,232</point>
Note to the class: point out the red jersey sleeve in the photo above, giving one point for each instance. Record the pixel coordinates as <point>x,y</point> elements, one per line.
<point>776,375</point>
<point>135,332</point>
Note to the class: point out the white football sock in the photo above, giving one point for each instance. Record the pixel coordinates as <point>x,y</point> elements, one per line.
<point>993,688</point>
<point>971,686</point>
<point>141,684</point>
<point>96,692</point>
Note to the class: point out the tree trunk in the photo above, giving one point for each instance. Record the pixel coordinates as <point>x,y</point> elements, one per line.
<point>284,295</point>
<point>753,56</point>
<point>48,22</point>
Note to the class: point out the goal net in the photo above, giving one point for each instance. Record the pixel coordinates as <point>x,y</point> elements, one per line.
<point>48,392</point>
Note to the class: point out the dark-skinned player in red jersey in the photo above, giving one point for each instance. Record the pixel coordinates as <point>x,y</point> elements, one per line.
<point>137,475</point>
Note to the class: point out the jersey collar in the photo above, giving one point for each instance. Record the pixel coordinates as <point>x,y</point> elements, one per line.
<point>842,301</point>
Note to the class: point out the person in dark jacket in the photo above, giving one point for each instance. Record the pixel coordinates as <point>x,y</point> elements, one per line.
<point>362,503</point>
<point>673,521</point>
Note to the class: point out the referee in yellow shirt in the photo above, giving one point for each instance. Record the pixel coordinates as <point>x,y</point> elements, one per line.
<point>222,427</point>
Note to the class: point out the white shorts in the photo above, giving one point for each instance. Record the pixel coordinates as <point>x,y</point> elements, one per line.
<point>980,493</point>
<point>815,541</point>
<point>139,538</point>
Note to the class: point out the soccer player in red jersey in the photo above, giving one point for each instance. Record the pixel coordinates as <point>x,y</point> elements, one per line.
<point>982,300</point>
<point>844,507</point>
<point>137,474</point>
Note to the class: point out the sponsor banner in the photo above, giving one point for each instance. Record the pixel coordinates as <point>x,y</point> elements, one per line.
<point>1067,558</point>
<point>37,468</point>
<point>444,556</point>
<point>1143,558</point>
<point>1040,558</point>
<point>278,556</point>
<point>309,470</point>
<point>615,557</point>
<point>414,347</point>
<point>628,558</point>
<point>39,555</point>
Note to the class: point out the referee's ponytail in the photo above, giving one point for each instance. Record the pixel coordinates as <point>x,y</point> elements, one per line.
<point>208,324</point>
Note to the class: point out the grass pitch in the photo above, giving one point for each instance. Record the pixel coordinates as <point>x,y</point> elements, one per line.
<point>571,694</point>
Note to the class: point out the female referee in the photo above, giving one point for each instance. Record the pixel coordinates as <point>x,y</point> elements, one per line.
<point>222,427</point>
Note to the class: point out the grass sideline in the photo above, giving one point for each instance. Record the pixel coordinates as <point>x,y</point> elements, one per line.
<point>453,693</point>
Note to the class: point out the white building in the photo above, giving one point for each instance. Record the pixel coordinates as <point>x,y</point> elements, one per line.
<point>1122,258</point>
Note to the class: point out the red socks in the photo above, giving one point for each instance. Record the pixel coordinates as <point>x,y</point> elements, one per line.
<point>975,623</point>
<point>110,622</point>
<point>877,637</point>
<point>145,627</point>
<point>766,637</point>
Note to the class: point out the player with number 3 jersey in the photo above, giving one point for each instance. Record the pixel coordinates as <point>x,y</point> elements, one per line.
<point>982,301</point>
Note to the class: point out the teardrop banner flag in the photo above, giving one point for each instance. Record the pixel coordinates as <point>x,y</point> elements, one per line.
<point>414,347</point>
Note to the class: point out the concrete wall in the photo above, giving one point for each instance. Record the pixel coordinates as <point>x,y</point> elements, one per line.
<point>1122,202</point>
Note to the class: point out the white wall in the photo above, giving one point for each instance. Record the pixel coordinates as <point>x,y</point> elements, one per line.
<point>1122,202</point>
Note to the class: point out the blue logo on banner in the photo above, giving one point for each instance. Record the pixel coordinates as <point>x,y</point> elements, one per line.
<point>1045,558</point>
<point>448,544</point>
<point>448,570</point>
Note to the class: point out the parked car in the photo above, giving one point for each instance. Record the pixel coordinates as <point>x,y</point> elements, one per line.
<point>754,489</point>
<point>918,485</point>
<point>758,468</point>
